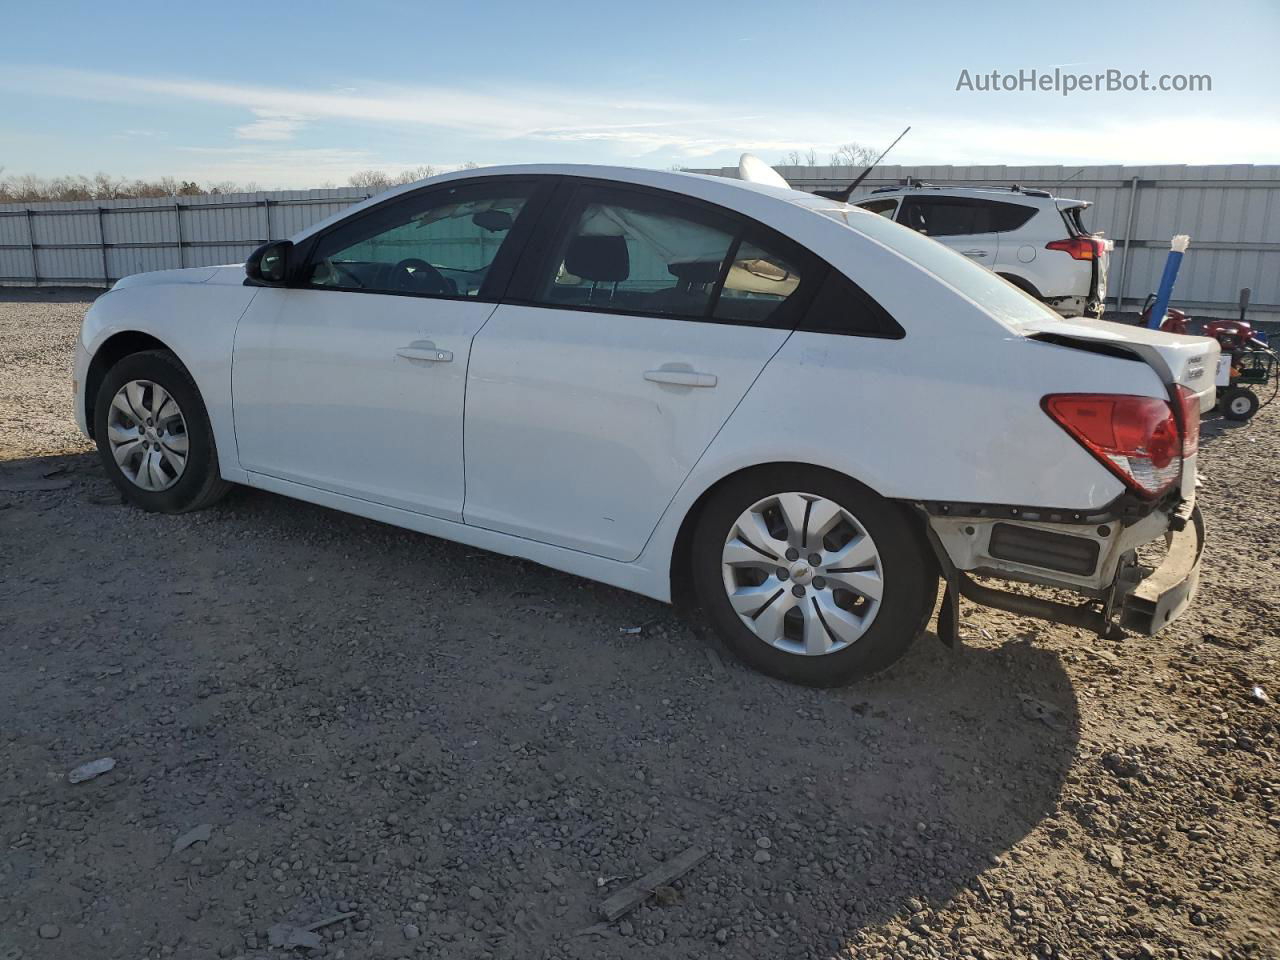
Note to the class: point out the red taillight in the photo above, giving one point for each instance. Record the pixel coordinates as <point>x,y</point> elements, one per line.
<point>1080,248</point>
<point>1189,420</point>
<point>1136,438</point>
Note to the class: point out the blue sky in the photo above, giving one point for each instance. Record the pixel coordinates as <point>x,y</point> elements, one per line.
<point>296,95</point>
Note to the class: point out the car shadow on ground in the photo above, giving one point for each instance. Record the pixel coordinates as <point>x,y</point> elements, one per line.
<point>1213,425</point>
<point>419,720</point>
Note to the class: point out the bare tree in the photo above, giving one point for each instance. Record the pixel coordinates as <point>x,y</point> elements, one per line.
<point>379,180</point>
<point>794,158</point>
<point>853,154</point>
<point>414,174</point>
<point>375,180</point>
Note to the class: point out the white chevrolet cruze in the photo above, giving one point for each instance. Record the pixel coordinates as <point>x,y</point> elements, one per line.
<point>794,414</point>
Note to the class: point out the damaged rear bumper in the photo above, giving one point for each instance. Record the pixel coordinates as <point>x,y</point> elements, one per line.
<point>1161,598</point>
<point>1096,561</point>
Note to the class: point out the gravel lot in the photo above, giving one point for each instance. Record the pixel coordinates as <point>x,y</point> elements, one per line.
<point>462,755</point>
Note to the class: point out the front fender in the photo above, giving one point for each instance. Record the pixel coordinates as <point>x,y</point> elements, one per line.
<point>197,322</point>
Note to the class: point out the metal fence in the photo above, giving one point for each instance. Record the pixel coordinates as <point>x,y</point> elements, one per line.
<point>1232,213</point>
<point>79,243</point>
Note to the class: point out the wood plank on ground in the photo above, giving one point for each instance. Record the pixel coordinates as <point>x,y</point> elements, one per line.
<point>631,896</point>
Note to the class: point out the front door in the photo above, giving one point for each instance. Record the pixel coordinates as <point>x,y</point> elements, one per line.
<point>641,327</point>
<point>352,380</point>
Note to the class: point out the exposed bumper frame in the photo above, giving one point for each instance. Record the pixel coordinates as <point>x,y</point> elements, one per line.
<point>1168,591</point>
<point>1144,606</point>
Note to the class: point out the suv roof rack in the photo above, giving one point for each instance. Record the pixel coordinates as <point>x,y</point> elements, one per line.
<point>910,183</point>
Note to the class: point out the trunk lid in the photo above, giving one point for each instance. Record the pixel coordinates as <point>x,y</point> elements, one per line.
<point>1189,362</point>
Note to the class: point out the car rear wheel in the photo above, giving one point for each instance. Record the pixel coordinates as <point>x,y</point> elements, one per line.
<point>811,577</point>
<point>154,437</point>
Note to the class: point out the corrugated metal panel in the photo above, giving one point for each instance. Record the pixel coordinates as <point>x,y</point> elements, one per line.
<point>1232,213</point>
<point>145,234</point>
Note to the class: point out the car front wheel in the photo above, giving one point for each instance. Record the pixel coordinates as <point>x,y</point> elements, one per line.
<point>811,577</point>
<point>154,437</point>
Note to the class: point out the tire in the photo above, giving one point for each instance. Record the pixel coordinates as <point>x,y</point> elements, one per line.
<point>853,633</point>
<point>165,489</point>
<point>1238,403</point>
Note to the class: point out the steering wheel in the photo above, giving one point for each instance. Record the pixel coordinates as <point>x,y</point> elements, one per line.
<point>418,275</point>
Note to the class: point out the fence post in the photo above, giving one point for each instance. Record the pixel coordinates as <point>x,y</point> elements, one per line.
<point>31,246</point>
<point>102,245</point>
<point>1128,242</point>
<point>266,207</point>
<point>177,220</point>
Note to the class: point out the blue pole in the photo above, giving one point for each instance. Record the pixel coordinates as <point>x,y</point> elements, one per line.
<point>1165,291</point>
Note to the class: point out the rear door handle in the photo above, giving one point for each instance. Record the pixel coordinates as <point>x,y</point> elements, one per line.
<point>976,253</point>
<point>425,350</point>
<point>681,378</point>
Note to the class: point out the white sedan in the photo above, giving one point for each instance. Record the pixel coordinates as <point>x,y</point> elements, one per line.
<point>790,413</point>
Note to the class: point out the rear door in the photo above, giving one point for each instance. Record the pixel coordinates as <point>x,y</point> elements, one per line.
<point>629,339</point>
<point>962,223</point>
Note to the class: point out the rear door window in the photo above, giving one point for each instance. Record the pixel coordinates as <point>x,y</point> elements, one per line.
<point>642,252</point>
<point>945,216</point>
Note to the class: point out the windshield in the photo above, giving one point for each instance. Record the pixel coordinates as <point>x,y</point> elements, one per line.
<point>1001,299</point>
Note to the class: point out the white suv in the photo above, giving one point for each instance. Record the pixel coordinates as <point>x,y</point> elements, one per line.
<point>1036,241</point>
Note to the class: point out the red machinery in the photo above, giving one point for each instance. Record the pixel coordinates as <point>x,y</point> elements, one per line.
<point>1252,362</point>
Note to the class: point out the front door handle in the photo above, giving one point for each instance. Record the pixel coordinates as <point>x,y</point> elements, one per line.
<point>681,378</point>
<point>425,350</point>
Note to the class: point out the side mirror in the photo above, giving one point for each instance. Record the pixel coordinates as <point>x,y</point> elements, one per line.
<point>269,264</point>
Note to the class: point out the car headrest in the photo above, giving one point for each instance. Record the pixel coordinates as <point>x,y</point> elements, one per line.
<point>598,259</point>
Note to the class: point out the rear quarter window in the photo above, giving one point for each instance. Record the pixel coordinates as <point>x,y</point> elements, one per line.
<point>1006,217</point>
<point>1000,299</point>
<point>883,207</point>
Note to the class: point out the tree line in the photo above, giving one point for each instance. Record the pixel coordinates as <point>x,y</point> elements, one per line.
<point>845,155</point>
<point>30,188</point>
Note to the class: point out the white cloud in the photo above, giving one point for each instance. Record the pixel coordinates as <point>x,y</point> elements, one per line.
<point>270,126</point>
<point>502,115</point>
<point>532,123</point>
<point>281,167</point>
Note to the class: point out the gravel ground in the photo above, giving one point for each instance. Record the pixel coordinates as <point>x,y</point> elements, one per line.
<point>461,755</point>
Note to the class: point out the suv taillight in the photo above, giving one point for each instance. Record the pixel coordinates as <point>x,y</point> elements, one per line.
<point>1080,248</point>
<point>1136,438</point>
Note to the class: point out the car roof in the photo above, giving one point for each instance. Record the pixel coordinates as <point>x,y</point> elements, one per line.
<point>751,199</point>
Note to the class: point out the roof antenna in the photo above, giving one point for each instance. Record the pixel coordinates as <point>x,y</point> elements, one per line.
<point>844,195</point>
<point>1068,180</point>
